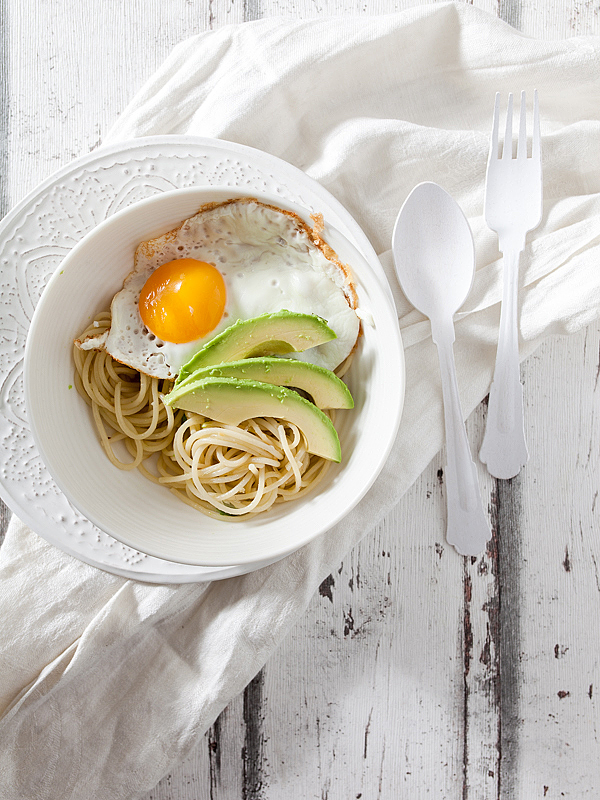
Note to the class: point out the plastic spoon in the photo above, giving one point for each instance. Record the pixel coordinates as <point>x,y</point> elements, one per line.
<point>435,263</point>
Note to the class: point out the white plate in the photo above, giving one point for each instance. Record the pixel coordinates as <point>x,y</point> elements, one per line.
<point>34,239</point>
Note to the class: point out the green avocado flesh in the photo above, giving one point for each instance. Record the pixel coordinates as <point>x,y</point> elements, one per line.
<point>231,401</point>
<point>269,334</point>
<point>325,388</point>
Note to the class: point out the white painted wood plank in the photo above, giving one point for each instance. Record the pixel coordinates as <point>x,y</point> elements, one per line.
<point>86,67</point>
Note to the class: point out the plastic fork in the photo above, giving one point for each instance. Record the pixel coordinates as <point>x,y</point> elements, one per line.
<point>513,207</point>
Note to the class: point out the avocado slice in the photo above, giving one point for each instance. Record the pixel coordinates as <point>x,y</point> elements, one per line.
<point>231,401</point>
<point>325,388</point>
<point>269,334</point>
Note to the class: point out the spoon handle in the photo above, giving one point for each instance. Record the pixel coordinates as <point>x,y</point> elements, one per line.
<point>467,526</point>
<point>504,449</point>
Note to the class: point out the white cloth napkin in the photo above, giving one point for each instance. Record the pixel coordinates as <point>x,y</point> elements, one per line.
<point>105,683</point>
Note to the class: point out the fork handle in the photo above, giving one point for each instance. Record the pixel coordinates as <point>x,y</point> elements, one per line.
<point>504,449</point>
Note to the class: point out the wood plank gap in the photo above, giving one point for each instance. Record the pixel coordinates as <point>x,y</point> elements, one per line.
<point>480,650</point>
<point>507,511</point>
<point>481,675</point>
<point>214,755</point>
<point>467,655</point>
<point>253,751</point>
<point>510,11</point>
<point>252,10</point>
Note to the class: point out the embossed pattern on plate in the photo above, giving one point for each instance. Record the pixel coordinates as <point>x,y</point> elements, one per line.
<point>36,236</point>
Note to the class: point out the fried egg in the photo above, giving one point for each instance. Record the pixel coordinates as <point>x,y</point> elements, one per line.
<point>230,261</point>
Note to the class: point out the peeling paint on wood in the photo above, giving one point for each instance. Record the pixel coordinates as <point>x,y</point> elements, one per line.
<point>510,11</point>
<point>348,622</point>
<point>214,756</point>
<point>252,10</point>
<point>481,692</point>
<point>508,525</point>
<point>253,755</point>
<point>326,587</point>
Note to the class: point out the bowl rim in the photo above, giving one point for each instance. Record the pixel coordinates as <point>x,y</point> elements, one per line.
<point>200,191</point>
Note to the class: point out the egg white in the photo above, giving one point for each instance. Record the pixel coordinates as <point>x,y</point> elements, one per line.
<point>269,262</point>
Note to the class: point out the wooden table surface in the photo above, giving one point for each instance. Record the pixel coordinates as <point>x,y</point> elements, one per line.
<point>415,673</point>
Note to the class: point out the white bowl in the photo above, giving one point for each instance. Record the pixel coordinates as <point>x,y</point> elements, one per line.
<point>128,506</point>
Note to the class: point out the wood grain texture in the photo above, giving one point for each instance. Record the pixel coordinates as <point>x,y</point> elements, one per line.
<point>414,673</point>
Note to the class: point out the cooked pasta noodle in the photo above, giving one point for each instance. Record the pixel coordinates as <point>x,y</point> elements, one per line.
<point>219,469</point>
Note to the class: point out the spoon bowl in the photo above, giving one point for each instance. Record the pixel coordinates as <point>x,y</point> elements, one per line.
<point>437,275</point>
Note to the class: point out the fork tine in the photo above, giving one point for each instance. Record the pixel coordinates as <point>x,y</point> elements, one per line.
<point>535,141</point>
<point>494,142</point>
<point>522,143</point>
<point>507,147</point>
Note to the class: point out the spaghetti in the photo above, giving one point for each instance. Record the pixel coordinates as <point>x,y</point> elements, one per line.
<point>219,469</point>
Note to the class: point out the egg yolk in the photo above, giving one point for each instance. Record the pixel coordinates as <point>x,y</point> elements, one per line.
<point>183,300</point>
